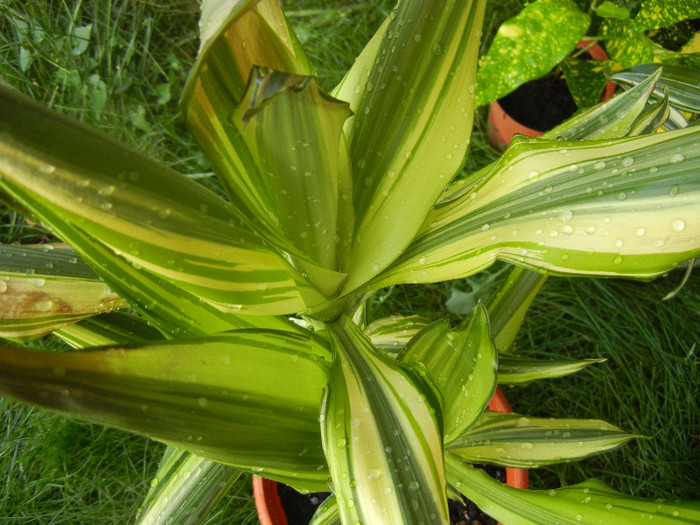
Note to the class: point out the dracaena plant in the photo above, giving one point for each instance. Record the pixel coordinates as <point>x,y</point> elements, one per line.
<point>234,329</point>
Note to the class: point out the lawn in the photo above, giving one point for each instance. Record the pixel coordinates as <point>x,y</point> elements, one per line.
<point>120,66</point>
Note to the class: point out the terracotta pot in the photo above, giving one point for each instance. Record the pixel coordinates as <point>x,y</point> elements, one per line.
<point>502,127</point>
<point>271,512</point>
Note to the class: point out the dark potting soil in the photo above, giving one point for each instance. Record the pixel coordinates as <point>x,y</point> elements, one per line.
<point>540,104</point>
<point>300,508</point>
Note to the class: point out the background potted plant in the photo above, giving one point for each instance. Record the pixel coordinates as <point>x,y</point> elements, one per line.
<point>538,42</point>
<point>219,280</point>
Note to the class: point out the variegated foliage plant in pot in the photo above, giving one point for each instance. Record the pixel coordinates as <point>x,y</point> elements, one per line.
<point>533,75</point>
<point>273,511</point>
<point>233,328</point>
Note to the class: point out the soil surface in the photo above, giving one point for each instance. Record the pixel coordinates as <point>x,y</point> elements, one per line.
<point>540,104</point>
<point>301,507</point>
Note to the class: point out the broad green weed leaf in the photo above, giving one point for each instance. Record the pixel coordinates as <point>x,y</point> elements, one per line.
<point>654,14</point>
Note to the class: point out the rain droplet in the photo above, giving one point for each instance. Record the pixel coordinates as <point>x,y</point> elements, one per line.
<point>438,49</point>
<point>673,191</point>
<point>374,474</point>
<point>485,227</point>
<point>3,286</point>
<point>627,161</point>
<point>599,165</point>
<point>566,215</point>
<point>677,158</point>
<point>202,402</point>
<point>639,232</point>
<point>678,225</point>
<point>44,306</point>
<point>617,260</point>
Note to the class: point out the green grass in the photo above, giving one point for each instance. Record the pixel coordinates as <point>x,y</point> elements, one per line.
<point>126,78</point>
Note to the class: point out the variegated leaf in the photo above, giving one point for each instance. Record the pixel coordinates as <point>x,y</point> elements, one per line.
<point>246,398</point>
<point>108,329</point>
<point>509,304</point>
<point>513,370</point>
<point>294,133</point>
<point>513,440</point>
<point>551,27</point>
<point>144,213</point>
<point>625,207</point>
<point>393,333</point>
<point>381,435</point>
<point>185,489</point>
<point>46,287</point>
<point>239,36</point>
<point>410,133</point>
<point>587,503</point>
<point>462,364</point>
<point>611,119</point>
<point>654,14</point>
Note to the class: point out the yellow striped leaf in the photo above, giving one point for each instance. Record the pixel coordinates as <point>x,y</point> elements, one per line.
<point>412,92</point>
<point>246,398</point>
<point>623,207</point>
<point>381,435</point>
<point>513,440</point>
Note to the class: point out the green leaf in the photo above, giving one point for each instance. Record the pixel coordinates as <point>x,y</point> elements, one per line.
<point>46,287</point>
<point>528,46</point>
<point>683,83</point>
<point>626,45</point>
<point>513,370</point>
<point>462,364</point>
<point>622,207</point>
<point>585,79</point>
<point>108,329</point>
<point>609,10</point>
<point>382,435</point>
<point>509,304</point>
<point>393,333</point>
<point>294,132</point>
<point>236,36</point>
<point>144,213</point>
<point>246,398</point>
<point>654,14</point>
<point>185,489</point>
<point>587,503</point>
<point>513,440</point>
<point>328,513</point>
<point>80,39</point>
<point>613,118</point>
<point>411,91</point>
